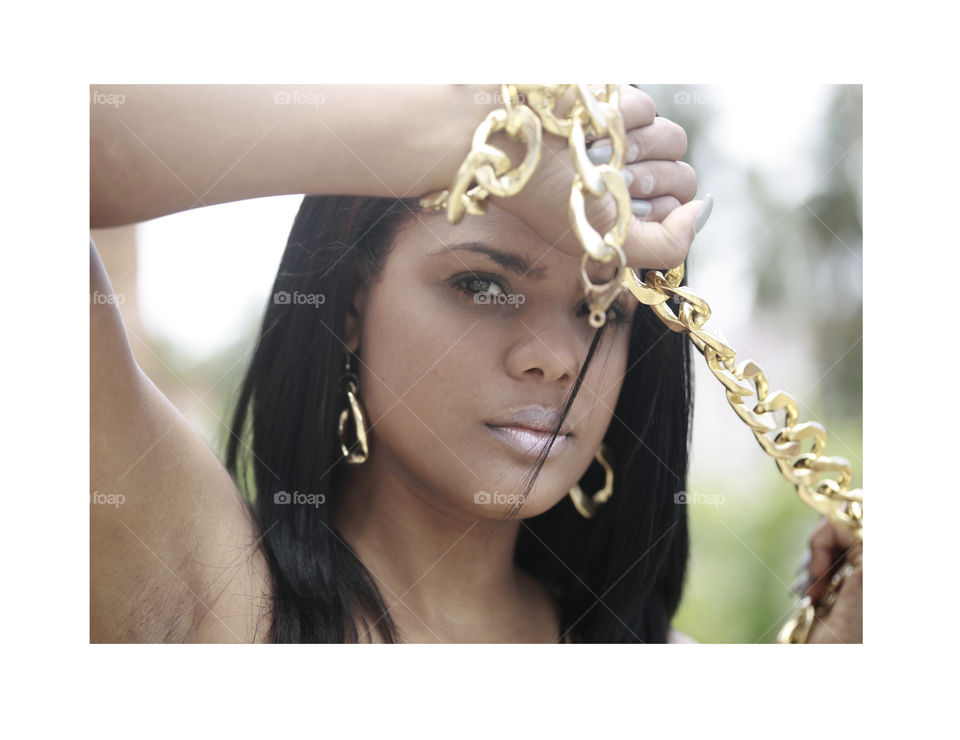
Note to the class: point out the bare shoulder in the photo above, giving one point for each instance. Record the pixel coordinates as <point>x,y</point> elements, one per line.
<point>676,637</point>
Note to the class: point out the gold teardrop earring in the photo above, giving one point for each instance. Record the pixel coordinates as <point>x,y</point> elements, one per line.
<point>350,385</point>
<point>587,505</point>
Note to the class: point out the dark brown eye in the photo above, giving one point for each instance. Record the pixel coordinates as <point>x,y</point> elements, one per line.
<point>473,284</point>
<point>616,313</point>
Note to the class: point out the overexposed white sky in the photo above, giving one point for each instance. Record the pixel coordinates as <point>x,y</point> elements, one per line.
<point>773,127</point>
<point>203,273</point>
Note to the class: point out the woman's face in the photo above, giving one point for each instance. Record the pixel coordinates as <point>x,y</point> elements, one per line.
<point>455,339</point>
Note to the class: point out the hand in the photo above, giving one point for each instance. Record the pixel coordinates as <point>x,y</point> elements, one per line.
<point>832,545</point>
<point>660,239</point>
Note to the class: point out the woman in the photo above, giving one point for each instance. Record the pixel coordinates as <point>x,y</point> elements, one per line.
<point>462,350</point>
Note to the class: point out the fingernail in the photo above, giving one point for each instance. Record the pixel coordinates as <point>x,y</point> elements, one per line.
<point>600,154</point>
<point>704,213</point>
<point>640,207</point>
<point>800,585</point>
<point>627,177</point>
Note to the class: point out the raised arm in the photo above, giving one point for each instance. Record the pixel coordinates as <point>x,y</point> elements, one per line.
<point>156,150</point>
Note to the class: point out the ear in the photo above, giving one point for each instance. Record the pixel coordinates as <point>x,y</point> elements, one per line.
<point>355,313</point>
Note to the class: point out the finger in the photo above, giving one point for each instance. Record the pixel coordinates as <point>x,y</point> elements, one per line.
<point>660,208</point>
<point>657,178</point>
<point>656,209</point>
<point>844,622</point>
<point>637,107</point>
<point>662,139</point>
<point>662,244</point>
<point>822,557</point>
<point>830,546</point>
<point>659,238</point>
<point>831,538</point>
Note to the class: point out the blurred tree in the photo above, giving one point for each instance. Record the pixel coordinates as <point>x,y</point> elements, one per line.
<point>819,238</point>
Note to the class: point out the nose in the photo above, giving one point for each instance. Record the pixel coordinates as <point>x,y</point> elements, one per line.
<point>547,351</point>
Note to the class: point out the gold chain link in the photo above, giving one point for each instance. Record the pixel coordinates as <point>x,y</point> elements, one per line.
<point>488,170</point>
<point>797,628</point>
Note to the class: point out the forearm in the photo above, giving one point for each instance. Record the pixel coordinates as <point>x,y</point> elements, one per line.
<point>165,148</point>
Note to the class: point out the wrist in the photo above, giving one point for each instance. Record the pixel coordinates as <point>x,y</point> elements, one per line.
<point>440,131</point>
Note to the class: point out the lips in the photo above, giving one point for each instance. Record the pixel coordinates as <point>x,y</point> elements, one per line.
<point>528,430</point>
<point>535,418</point>
<point>528,442</point>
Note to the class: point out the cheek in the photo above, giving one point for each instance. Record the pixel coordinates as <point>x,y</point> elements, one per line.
<point>595,403</point>
<point>609,380</point>
<point>424,373</point>
<point>418,350</point>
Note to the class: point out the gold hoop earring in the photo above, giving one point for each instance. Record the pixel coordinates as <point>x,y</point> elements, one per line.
<point>587,505</point>
<point>350,383</point>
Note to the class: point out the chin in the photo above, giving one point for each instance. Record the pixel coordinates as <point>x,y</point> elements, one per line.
<point>498,503</point>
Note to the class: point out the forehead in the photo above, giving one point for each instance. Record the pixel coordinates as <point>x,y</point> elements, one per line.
<point>429,232</point>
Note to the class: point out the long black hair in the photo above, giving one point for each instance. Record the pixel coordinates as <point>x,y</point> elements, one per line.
<point>618,576</point>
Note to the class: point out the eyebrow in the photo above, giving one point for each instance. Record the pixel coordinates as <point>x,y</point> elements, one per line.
<point>513,262</point>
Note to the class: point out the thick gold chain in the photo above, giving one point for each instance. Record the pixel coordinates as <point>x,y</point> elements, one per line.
<point>488,170</point>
